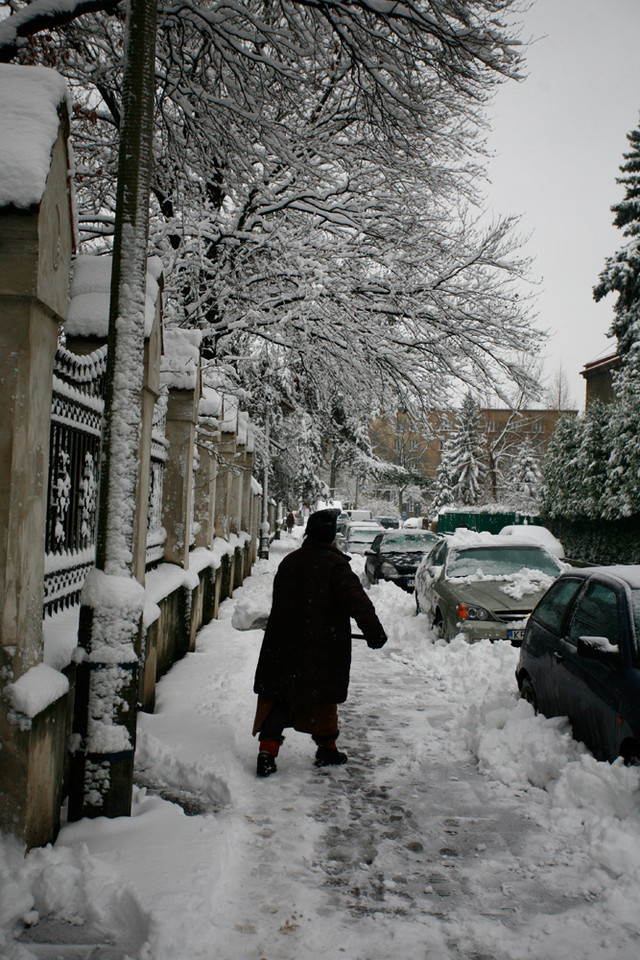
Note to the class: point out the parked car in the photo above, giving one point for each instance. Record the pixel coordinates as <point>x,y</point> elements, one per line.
<point>357,514</point>
<point>531,531</point>
<point>412,523</point>
<point>580,658</point>
<point>389,523</point>
<point>358,537</point>
<point>483,586</point>
<point>395,556</point>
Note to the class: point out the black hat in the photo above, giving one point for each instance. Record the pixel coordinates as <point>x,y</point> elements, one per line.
<point>321,525</point>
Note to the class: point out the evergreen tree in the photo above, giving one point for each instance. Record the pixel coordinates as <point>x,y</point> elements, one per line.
<point>561,490</point>
<point>524,480</point>
<point>468,461</point>
<point>444,481</point>
<point>592,461</point>
<point>621,497</point>
<point>621,273</point>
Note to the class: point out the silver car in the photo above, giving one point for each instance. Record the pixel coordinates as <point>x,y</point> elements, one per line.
<point>484,586</point>
<point>358,536</point>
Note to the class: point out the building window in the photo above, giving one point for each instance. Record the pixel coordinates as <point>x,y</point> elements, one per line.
<point>413,446</point>
<point>397,445</point>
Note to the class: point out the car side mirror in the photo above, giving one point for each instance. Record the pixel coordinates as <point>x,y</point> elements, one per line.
<point>370,553</point>
<point>598,648</point>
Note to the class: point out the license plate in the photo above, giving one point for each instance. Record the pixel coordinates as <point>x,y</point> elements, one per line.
<point>411,582</point>
<point>516,636</point>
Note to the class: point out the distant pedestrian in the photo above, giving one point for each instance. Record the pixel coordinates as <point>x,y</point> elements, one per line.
<point>290,521</point>
<point>304,664</point>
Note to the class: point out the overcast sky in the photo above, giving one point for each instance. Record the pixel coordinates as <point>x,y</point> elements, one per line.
<point>559,136</point>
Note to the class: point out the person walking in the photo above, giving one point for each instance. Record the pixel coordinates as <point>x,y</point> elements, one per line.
<point>290,521</point>
<point>305,659</point>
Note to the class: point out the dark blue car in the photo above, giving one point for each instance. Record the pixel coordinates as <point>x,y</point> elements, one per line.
<point>580,658</point>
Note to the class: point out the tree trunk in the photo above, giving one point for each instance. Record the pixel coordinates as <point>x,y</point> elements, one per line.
<point>113,601</point>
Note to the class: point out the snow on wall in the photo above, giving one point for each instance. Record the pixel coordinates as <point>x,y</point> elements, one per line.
<point>211,404</point>
<point>181,360</point>
<point>36,690</point>
<point>29,111</point>
<point>90,292</point>
<point>229,421</point>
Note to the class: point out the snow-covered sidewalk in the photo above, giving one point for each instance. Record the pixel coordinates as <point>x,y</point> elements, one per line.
<point>462,826</point>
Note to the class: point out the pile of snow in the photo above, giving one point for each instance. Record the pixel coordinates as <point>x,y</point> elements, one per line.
<point>29,119</point>
<point>210,403</point>
<point>70,885</point>
<point>36,689</point>
<point>181,360</point>
<point>89,295</point>
<point>516,585</point>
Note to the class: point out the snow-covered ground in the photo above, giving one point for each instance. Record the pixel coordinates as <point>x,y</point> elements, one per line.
<point>462,826</point>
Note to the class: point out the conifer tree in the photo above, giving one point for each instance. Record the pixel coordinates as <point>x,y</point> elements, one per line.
<point>621,495</point>
<point>468,461</point>
<point>592,461</point>
<point>525,478</point>
<point>444,480</point>
<point>621,273</point>
<point>561,491</point>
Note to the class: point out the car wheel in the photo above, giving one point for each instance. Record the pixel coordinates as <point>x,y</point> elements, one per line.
<point>528,693</point>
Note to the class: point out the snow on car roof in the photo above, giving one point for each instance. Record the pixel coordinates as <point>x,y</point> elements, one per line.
<point>630,573</point>
<point>462,537</point>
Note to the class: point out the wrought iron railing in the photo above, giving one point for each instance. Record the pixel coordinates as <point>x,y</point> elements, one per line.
<point>74,460</point>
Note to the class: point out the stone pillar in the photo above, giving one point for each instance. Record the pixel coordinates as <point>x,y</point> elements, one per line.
<point>208,438</point>
<point>181,374</point>
<point>208,442</point>
<point>226,454</point>
<point>36,243</point>
<point>235,500</point>
<point>247,496</point>
<point>148,399</point>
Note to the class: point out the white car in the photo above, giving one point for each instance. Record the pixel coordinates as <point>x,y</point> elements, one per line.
<point>531,531</point>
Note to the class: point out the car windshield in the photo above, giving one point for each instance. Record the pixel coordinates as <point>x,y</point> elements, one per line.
<point>363,536</point>
<point>408,543</point>
<point>500,561</point>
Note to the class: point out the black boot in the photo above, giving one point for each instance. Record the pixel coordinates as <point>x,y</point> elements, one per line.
<point>266,764</point>
<point>330,757</point>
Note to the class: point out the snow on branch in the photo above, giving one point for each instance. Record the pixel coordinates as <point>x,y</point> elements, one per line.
<point>42,15</point>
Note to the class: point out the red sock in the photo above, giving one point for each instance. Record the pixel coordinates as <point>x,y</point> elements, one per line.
<point>270,746</point>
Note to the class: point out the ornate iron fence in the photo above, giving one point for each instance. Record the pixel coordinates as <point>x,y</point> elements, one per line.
<point>156,534</point>
<point>74,459</point>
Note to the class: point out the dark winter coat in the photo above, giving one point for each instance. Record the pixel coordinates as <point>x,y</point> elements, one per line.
<point>306,651</point>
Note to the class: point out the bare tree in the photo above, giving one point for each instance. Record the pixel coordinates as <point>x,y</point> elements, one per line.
<point>557,394</point>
